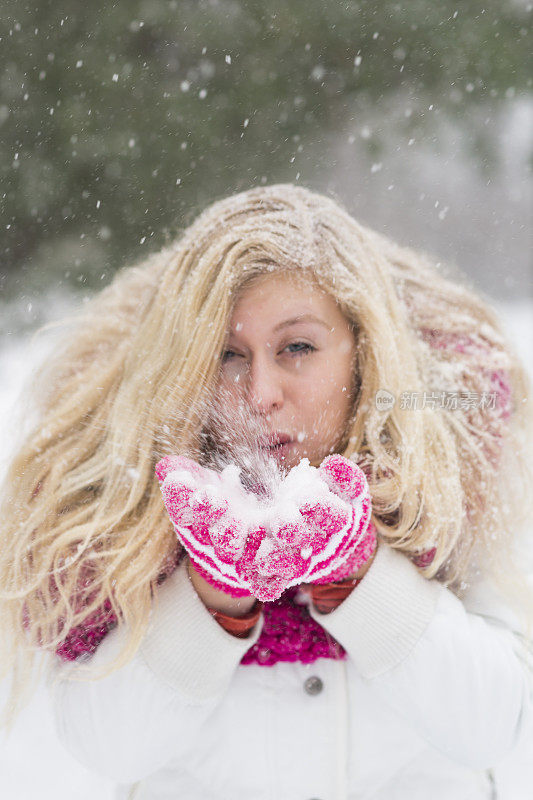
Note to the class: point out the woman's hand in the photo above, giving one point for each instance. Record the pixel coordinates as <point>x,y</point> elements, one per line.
<point>349,552</point>
<point>214,535</point>
<point>315,529</point>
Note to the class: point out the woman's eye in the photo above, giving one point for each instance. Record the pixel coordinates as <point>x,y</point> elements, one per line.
<point>227,354</point>
<point>302,347</point>
<point>298,348</point>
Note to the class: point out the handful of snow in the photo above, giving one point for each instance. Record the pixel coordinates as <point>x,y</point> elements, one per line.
<point>315,528</point>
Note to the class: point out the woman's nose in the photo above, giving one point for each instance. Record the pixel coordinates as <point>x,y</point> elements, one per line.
<point>265,385</point>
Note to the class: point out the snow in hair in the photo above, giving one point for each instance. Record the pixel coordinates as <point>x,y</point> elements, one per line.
<point>83,525</point>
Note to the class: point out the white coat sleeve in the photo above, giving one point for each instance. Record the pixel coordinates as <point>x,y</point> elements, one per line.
<point>131,723</point>
<point>463,680</point>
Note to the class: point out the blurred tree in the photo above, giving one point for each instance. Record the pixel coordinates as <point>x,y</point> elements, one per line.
<point>120,122</point>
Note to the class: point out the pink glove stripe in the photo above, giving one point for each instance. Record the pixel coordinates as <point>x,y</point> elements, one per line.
<point>348,542</point>
<point>360,556</point>
<point>200,557</point>
<point>326,563</point>
<point>362,528</point>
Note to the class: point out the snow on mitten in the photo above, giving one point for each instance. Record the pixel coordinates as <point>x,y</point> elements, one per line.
<point>315,527</point>
<point>342,535</point>
<point>318,527</point>
<point>205,521</point>
<point>229,533</point>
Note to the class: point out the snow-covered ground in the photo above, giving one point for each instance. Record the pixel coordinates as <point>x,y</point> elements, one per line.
<point>50,772</point>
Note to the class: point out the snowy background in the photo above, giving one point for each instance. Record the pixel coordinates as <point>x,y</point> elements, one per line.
<point>119,124</point>
<point>54,773</point>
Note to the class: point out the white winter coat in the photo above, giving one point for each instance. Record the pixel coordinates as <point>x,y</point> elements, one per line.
<point>433,694</point>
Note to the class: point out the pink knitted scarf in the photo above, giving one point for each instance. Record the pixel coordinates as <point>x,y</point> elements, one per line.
<point>289,633</point>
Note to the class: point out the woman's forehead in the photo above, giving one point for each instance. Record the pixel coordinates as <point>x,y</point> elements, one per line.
<point>279,298</point>
<point>288,285</point>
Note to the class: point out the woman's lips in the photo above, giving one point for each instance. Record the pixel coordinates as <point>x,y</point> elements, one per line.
<point>276,440</point>
<point>280,449</point>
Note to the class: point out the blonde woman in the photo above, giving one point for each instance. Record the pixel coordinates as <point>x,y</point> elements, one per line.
<point>278,367</point>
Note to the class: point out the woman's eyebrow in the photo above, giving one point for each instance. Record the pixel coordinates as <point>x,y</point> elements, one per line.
<point>301,318</point>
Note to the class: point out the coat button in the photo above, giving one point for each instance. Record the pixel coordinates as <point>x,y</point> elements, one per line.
<point>313,685</point>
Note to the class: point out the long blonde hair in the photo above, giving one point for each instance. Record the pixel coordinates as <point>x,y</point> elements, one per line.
<point>81,508</point>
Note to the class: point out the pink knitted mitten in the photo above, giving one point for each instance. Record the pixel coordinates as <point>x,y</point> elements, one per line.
<point>316,527</point>
<point>202,505</point>
<point>357,541</point>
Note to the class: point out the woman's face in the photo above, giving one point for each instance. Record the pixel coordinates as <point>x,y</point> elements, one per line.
<point>291,353</point>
